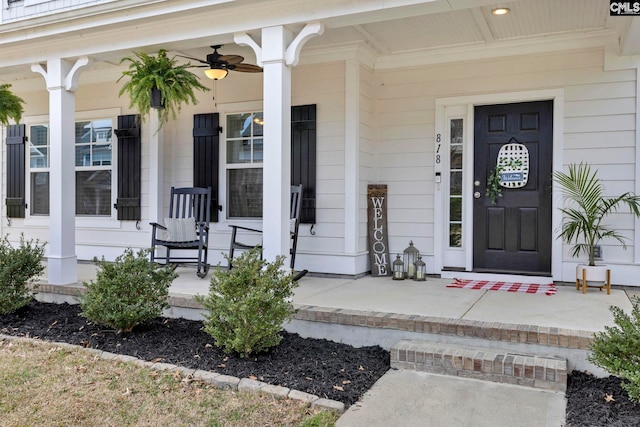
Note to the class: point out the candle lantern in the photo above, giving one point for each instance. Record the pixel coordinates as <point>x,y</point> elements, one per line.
<point>398,269</point>
<point>421,270</point>
<point>410,255</point>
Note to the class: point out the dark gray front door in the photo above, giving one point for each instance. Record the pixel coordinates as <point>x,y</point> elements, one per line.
<point>514,235</point>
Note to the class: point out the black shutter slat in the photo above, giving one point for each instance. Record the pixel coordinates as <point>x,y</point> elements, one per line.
<point>206,156</point>
<point>303,158</point>
<point>16,144</point>
<point>129,168</point>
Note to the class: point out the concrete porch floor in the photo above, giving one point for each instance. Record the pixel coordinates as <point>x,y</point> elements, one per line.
<point>567,309</point>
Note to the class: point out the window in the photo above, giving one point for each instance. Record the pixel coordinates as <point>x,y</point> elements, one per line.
<point>93,164</point>
<point>244,148</point>
<point>93,167</point>
<point>39,167</point>
<point>455,183</point>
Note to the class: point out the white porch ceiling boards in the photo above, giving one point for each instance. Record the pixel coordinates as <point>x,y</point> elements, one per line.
<point>400,32</point>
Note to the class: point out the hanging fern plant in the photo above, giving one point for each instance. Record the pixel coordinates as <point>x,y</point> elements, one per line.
<point>10,105</point>
<point>175,83</point>
<point>494,189</point>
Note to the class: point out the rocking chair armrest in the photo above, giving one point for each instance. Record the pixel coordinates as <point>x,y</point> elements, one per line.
<point>255,230</point>
<point>155,224</point>
<point>203,226</point>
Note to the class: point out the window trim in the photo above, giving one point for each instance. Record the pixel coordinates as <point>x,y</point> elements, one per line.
<point>89,222</point>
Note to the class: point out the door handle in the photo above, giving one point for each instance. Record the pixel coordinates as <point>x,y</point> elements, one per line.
<point>476,195</point>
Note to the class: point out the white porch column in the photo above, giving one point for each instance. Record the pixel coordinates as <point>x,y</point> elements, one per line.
<point>62,81</point>
<point>277,142</point>
<point>277,55</point>
<point>156,168</point>
<point>351,156</point>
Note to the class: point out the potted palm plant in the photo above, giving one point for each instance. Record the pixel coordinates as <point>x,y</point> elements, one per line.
<point>582,225</point>
<point>159,82</point>
<point>10,105</point>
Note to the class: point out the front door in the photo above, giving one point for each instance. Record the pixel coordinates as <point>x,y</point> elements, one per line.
<point>513,235</point>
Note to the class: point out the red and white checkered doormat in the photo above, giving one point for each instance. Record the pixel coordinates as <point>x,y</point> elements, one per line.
<point>530,288</point>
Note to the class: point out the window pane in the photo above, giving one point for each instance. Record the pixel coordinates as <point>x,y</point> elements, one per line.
<point>39,193</point>
<point>239,151</point>
<point>456,131</point>
<point>239,125</point>
<point>455,235</point>
<point>456,157</point>
<point>257,150</point>
<point>38,157</point>
<point>83,132</point>
<point>456,183</point>
<point>101,155</point>
<point>83,155</point>
<point>93,192</point>
<point>455,209</point>
<point>245,193</point>
<point>38,135</point>
<point>258,122</point>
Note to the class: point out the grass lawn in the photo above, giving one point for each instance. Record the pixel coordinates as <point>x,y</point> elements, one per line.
<point>44,384</point>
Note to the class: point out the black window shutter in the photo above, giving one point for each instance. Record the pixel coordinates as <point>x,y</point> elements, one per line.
<point>129,167</point>
<point>16,138</point>
<point>303,158</point>
<point>206,156</point>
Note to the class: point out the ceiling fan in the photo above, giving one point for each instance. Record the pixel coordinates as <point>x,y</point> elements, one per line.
<point>220,65</point>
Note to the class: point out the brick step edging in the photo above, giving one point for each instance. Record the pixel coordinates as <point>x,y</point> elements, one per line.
<point>493,331</point>
<point>542,372</point>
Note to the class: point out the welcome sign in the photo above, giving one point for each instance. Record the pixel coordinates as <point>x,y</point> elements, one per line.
<point>377,230</point>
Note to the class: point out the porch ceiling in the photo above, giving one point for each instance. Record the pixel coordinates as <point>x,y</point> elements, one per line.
<point>418,30</point>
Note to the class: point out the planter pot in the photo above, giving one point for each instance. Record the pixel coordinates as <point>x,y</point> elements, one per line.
<point>156,99</point>
<point>598,276</point>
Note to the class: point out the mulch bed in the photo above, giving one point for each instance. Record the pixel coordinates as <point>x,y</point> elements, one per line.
<point>599,402</point>
<point>324,368</point>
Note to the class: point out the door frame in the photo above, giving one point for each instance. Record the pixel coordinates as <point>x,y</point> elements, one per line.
<point>455,105</point>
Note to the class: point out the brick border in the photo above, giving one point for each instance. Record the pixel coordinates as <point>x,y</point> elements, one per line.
<point>492,331</point>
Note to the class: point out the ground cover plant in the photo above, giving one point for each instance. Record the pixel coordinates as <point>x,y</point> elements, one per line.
<point>48,385</point>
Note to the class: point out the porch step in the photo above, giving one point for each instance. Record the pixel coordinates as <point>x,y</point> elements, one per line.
<point>489,364</point>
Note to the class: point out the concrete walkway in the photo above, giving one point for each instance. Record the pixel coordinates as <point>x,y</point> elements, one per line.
<point>409,398</point>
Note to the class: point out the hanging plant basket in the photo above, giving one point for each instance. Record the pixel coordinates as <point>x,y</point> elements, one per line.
<point>156,99</point>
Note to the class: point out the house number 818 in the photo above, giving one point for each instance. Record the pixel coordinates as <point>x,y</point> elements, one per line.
<point>438,140</point>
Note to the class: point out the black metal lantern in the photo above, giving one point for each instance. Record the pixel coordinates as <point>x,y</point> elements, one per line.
<point>421,270</point>
<point>410,255</point>
<point>398,269</point>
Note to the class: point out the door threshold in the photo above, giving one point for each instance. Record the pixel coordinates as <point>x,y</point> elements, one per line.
<point>498,277</point>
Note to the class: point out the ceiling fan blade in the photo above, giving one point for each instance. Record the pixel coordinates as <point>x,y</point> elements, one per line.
<point>231,59</point>
<point>193,59</point>
<point>246,68</point>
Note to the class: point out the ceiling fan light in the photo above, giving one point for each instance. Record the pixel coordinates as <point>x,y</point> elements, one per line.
<point>500,11</point>
<point>216,73</point>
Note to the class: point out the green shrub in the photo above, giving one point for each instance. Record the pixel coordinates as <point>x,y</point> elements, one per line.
<point>617,349</point>
<point>247,305</point>
<point>17,267</point>
<point>127,292</point>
